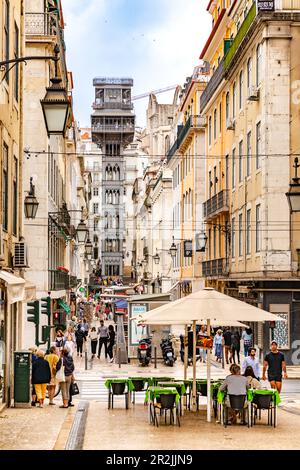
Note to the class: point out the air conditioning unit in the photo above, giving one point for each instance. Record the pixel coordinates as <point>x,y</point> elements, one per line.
<point>20,258</point>
<point>253,94</point>
<point>2,257</point>
<point>230,124</point>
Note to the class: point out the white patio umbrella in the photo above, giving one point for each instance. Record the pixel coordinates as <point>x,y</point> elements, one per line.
<point>210,306</point>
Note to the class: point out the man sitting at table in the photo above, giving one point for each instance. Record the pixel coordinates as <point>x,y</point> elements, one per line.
<point>234,384</point>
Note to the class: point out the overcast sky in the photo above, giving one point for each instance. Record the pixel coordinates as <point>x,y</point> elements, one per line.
<point>156,42</point>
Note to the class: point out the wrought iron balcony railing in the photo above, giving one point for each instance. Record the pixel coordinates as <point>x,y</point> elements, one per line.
<point>193,122</point>
<point>216,204</point>
<point>212,85</point>
<point>113,128</point>
<point>214,267</point>
<point>110,105</point>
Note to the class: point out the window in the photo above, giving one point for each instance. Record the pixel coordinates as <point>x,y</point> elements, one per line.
<point>16,55</point>
<point>210,183</point>
<point>227,107</point>
<point>233,238</point>
<point>248,170</point>
<point>215,242</point>
<point>249,74</point>
<point>240,234</point>
<point>215,180</point>
<point>240,161</point>
<point>96,191</point>
<point>258,145</point>
<point>233,99</point>
<point>258,64</point>
<point>15,197</point>
<point>227,171</point>
<point>233,168</point>
<point>241,86</point>
<point>167,144</point>
<point>95,208</point>
<point>215,124</point>
<point>220,118</point>
<point>5,188</point>
<point>209,131</point>
<point>6,36</point>
<point>258,229</point>
<point>209,243</point>
<point>248,232</point>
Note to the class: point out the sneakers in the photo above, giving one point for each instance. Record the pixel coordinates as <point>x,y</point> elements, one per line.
<point>111,360</point>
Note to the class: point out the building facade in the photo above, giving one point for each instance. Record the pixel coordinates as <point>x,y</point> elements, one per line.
<point>251,118</point>
<point>113,127</point>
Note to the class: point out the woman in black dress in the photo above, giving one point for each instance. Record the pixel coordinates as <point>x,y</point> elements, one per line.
<point>111,341</point>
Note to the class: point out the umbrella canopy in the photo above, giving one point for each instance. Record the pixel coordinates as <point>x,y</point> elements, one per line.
<point>209,304</point>
<point>145,321</point>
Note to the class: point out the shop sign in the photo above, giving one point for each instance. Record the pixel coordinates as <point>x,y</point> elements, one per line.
<point>268,5</point>
<point>188,248</point>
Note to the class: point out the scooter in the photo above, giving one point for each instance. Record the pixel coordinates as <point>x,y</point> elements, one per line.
<point>167,352</point>
<point>144,351</point>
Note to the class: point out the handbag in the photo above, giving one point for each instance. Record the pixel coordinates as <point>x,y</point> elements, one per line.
<point>60,374</point>
<point>74,389</point>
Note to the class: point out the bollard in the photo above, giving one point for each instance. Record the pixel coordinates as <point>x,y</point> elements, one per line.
<point>119,358</point>
<point>223,362</point>
<point>155,357</point>
<point>85,360</point>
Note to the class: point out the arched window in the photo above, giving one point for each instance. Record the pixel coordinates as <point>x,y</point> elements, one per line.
<point>249,74</point>
<point>258,64</point>
<point>209,130</point>
<point>167,144</point>
<point>116,174</point>
<point>215,124</point>
<point>117,222</point>
<point>106,220</point>
<point>241,89</point>
<point>233,99</point>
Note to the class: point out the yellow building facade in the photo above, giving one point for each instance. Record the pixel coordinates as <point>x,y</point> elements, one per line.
<point>248,104</point>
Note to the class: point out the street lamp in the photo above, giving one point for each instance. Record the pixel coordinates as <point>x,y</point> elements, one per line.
<point>156,258</point>
<point>82,232</point>
<point>31,203</point>
<point>293,194</point>
<point>88,247</point>
<point>173,250</point>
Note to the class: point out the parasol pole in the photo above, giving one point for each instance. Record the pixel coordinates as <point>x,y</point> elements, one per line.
<point>194,365</point>
<point>208,377</point>
<point>185,351</point>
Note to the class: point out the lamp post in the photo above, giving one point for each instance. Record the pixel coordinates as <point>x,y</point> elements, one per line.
<point>82,232</point>
<point>293,194</point>
<point>88,248</point>
<point>31,203</point>
<point>173,249</point>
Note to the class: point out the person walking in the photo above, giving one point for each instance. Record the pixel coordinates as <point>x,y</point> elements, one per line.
<point>52,359</point>
<point>218,341</point>
<point>94,340</point>
<point>66,361</point>
<point>251,360</point>
<point>247,337</point>
<point>227,345</point>
<point>41,376</point>
<point>103,337</point>
<point>33,350</point>
<point>80,337</point>
<point>111,341</point>
<point>60,339</point>
<point>202,351</point>
<point>275,364</point>
<point>235,346</point>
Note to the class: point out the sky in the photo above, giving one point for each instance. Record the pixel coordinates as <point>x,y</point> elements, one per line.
<point>155,42</point>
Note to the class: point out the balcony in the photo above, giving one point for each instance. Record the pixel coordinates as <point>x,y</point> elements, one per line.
<point>193,123</point>
<point>172,150</point>
<point>216,204</point>
<point>212,85</point>
<point>214,267</point>
<point>58,280</point>
<point>40,24</point>
<point>239,38</point>
<point>112,81</point>
<point>112,105</point>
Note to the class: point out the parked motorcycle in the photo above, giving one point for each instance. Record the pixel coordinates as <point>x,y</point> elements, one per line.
<point>144,351</point>
<point>167,352</point>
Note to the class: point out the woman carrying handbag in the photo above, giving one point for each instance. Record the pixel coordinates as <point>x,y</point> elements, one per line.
<point>64,375</point>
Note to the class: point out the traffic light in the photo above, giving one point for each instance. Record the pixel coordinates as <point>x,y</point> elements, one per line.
<point>46,306</point>
<point>46,333</point>
<point>33,312</point>
<point>56,318</point>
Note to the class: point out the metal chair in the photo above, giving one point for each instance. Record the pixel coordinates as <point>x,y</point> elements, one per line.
<point>237,403</point>
<point>166,403</point>
<point>263,402</point>
<point>117,388</point>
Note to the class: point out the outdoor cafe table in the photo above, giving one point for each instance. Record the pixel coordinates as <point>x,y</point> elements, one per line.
<point>180,387</point>
<point>127,381</point>
<point>154,392</point>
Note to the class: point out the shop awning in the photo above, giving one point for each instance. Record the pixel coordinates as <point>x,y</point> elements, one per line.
<point>15,287</point>
<point>65,306</point>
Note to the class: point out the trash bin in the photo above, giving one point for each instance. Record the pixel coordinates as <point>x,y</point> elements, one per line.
<point>22,379</point>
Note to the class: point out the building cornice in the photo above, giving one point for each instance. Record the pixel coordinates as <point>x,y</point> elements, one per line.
<point>213,32</point>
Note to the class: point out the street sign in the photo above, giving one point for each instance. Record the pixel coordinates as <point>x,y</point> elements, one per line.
<point>263,5</point>
<point>188,248</point>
